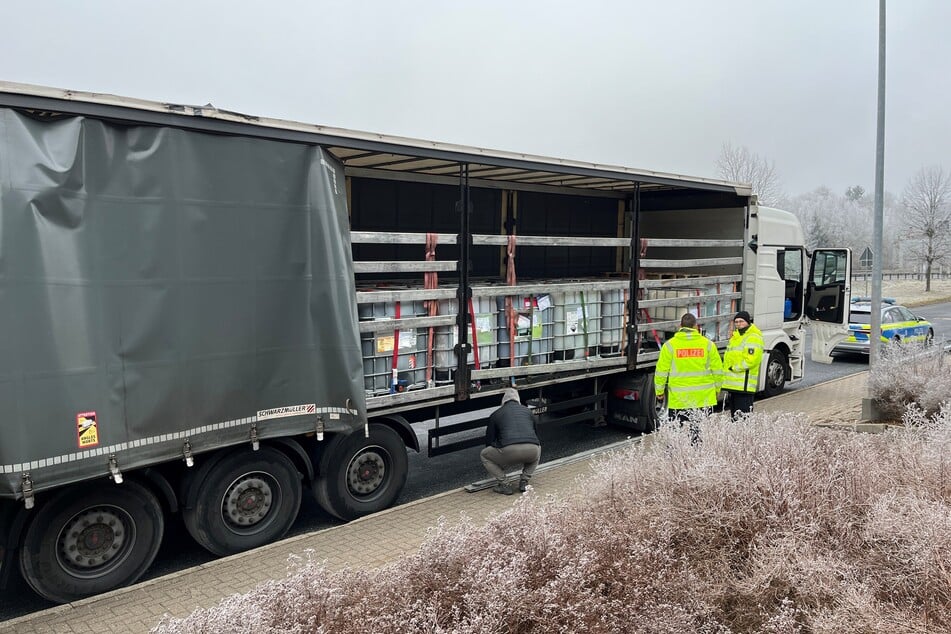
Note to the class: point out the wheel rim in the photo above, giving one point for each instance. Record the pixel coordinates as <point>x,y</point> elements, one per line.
<point>248,501</point>
<point>95,540</point>
<point>774,374</point>
<point>367,471</point>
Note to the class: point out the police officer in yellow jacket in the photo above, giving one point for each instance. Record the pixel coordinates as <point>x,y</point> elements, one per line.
<point>741,363</point>
<point>687,375</point>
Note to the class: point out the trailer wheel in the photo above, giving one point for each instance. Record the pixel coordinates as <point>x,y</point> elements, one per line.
<point>654,407</point>
<point>91,539</point>
<point>247,499</point>
<point>632,402</point>
<point>362,475</point>
<point>775,373</point>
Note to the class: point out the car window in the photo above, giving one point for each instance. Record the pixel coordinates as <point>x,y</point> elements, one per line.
<point>890,316</point>
<point>906,315</point>
<point>860,317</point>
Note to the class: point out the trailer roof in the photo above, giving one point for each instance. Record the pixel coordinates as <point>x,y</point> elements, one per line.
<point>366,153</point>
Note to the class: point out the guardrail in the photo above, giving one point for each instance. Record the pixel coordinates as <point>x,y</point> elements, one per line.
<point>900,275</point>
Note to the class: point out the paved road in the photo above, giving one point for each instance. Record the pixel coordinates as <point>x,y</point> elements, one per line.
<point>845,364</point>
<point>940,317</point>
<point>428,476</point>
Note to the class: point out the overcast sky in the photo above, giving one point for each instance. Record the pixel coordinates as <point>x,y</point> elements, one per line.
<point>646,84</point>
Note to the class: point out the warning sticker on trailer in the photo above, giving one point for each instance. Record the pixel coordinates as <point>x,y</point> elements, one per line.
<point>384,343</point>
<point>289,410</point>
<point>87,430</point>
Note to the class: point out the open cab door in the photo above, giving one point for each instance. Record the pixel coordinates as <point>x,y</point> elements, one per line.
<point>828,293</point>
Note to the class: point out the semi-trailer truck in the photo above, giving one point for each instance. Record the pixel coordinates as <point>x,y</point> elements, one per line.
<point>209,313</point>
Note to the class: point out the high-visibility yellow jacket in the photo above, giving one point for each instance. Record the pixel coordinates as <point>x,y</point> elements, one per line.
<point>688,371</point>
<point>742,360</point>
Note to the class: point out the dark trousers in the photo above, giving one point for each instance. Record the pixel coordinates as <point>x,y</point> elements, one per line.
<point>681,416</point>
<point>740,403</point>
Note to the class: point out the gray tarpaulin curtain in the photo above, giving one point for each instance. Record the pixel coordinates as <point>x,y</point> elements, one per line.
<point>166,280</point>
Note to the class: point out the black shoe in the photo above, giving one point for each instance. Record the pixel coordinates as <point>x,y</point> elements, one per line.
<point>503,488</point>
<point>522,485</point>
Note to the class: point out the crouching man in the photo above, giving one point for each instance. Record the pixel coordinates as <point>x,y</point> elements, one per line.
<point>510,440</point>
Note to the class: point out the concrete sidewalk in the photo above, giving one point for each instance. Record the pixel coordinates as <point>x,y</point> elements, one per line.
<point>368,542</point>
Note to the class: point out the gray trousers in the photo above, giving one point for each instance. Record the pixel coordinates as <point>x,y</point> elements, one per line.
<point>497,461</point>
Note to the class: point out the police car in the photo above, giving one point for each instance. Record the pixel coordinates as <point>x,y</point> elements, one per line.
<point>899,325</point>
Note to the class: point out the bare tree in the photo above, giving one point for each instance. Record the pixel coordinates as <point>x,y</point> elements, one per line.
<point>740,165</point>
<point>927,203</point>
<point>855,193</point>
<point>832,220</point>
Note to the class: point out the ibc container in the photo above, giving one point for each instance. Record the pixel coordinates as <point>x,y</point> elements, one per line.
<point>612,322</point>
<point>709,307</point>
<point>657,313</point>
<point>486,323</point>
<point>387,310</point>
<point>377,348</point>
<point>577,324</point>
<point>534,340</point>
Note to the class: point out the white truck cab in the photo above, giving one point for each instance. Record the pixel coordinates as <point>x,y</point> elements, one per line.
<point>784,299</point>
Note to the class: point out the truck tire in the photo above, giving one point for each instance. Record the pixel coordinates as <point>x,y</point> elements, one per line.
<point>90,539</point>
<point>654,408</point>
<point>632,402</point>
<point>362,475</point>
<point>247,499</point>
<point>775,373</point>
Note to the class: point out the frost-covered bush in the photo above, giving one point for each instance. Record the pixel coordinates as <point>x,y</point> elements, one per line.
<point>911,375</point>
<point>770,525</point>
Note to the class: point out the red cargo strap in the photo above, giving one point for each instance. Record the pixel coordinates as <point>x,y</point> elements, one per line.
<point>430,281</point>
<point>475,335</point>
<point>656,336</point>
<point>396,352</point>
<point>624,320</point>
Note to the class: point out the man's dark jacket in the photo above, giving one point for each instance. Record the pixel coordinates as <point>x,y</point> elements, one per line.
<point>511,424</point>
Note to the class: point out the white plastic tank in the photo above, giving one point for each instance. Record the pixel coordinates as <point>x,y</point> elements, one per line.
<point>377,348</point>
<point>577,324</point>
<point>534,331</point>
<point>484,316</point>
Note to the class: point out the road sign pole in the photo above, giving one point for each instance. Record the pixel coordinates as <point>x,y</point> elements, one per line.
<point>869,410</point>
<point>865,261</point>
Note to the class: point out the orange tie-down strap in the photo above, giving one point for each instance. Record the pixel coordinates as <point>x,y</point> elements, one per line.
<point>394,370</point>
<point>430,281</point>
